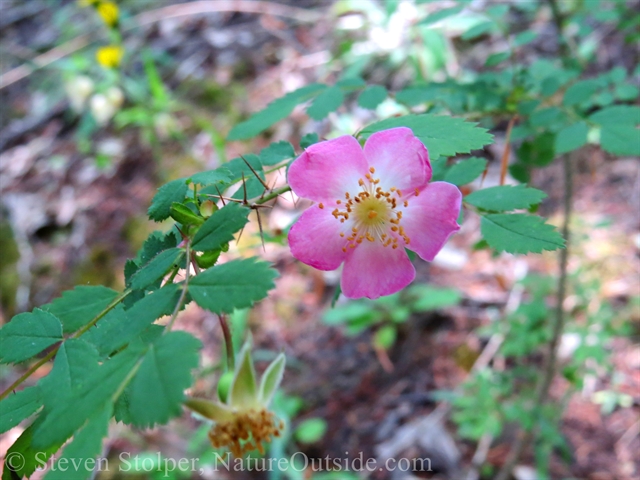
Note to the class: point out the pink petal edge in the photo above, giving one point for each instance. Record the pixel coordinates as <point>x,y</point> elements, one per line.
<point>400,159</point>
<point>372,271</point>
<point>326,170</point>
<point>431,218</point>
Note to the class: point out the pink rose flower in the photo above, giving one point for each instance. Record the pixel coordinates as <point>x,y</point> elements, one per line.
<point>372,203</point>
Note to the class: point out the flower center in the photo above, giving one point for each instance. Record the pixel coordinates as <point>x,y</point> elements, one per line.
<point>374,214</point>
<point>246,432</point>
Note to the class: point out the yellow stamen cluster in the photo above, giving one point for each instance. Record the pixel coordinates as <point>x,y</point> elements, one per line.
<point>374,214</point>
<point>247,431</point>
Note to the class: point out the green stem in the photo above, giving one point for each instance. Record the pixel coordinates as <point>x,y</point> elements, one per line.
<point>228,341</point>
<point>277,192</point>
<point>52,353</point>
<point>185,288</point>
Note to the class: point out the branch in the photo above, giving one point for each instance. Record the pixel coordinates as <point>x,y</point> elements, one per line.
<point>549,368</point>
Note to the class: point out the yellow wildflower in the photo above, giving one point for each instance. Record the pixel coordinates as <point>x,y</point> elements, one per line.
<point>110,56</point>
<point>109,13</point>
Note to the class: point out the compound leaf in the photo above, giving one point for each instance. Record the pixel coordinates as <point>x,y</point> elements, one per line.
<point>233,285</point>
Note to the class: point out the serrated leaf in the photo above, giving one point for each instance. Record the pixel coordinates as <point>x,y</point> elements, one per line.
<point>116,330</point>
<point>571,138</point>
<point>18,406</point>
<point>504,198</point>
<point>271,379</point>
<point>77,307</point>
<point>154,244</point>
<point>328,101</point>
<point>76,463</point>
<point>75,360</point>
<point>243,391</point>
<point>90,397</point>
<point>233,285</point>
<point>580,92</point>
<point>156,268</point>
<point>27,334</point>
<point>442,135</point>
<point>167,194</point>
<point>519,233</point>
<point>372,96</point>
<point>219,176</point>
<point>276,153</point>
<point>620,139</point>
<point>220,227</point>
<point>156,392</point>
<point>617,114</point>
<point>465,171</point>
<point>274,112</point>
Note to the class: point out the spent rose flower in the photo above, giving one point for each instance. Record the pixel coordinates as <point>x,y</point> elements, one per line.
<point>372,203</point>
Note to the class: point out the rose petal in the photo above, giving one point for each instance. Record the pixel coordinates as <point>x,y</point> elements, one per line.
<point>399,158</point>
<point>327,170</point>
<point>431,218</point>
<point>315,239</point>
<point>372,271</point>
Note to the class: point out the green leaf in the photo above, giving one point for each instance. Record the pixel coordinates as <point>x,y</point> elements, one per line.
<point>429,298</point>
<point>478,30</point>
<point>158,90</point>
<point>504,198</point>
<point>274,112</point>
<point>90,397</point>
<point>580,92</point>
<point>372,96</point>
<point>328,101</point>
<point>183,214</point>
<point>442,135</point>
<point>538,152</point>
<point>154,244</point>
<point>465,171</point>
<point>244,390</point>
<point>79,306</point>
<point>620,139</point>
<point>311,430</point>
<point>524,37</point>
<point>220,227</point>
<point>385,337</point>
<point>519,233</point>
<point>157,268</point>
<point>219,176</point>
<point>627,92</point>
<point>271,379</point>
<point>440,15</point>
<point>75,360</point>
<point>232,285</point>
<point>115,331</point>
<point>571,138</point>
<point>156,392</point>
<point>617,114</point>
<point>497,58</point>
<point>276,153</point>
<point>27,335</point>
<point>308,140</point>
<point>167,194</point>
<point>18,406</point>
<point>28,457</point>
<point>77,461</point>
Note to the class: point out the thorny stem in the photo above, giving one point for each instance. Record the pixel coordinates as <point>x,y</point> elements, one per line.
<point>549,368</point>
<point>228,341</point>
<point>185,288</point>
<point>277,192</point>
<point>52,353</point>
